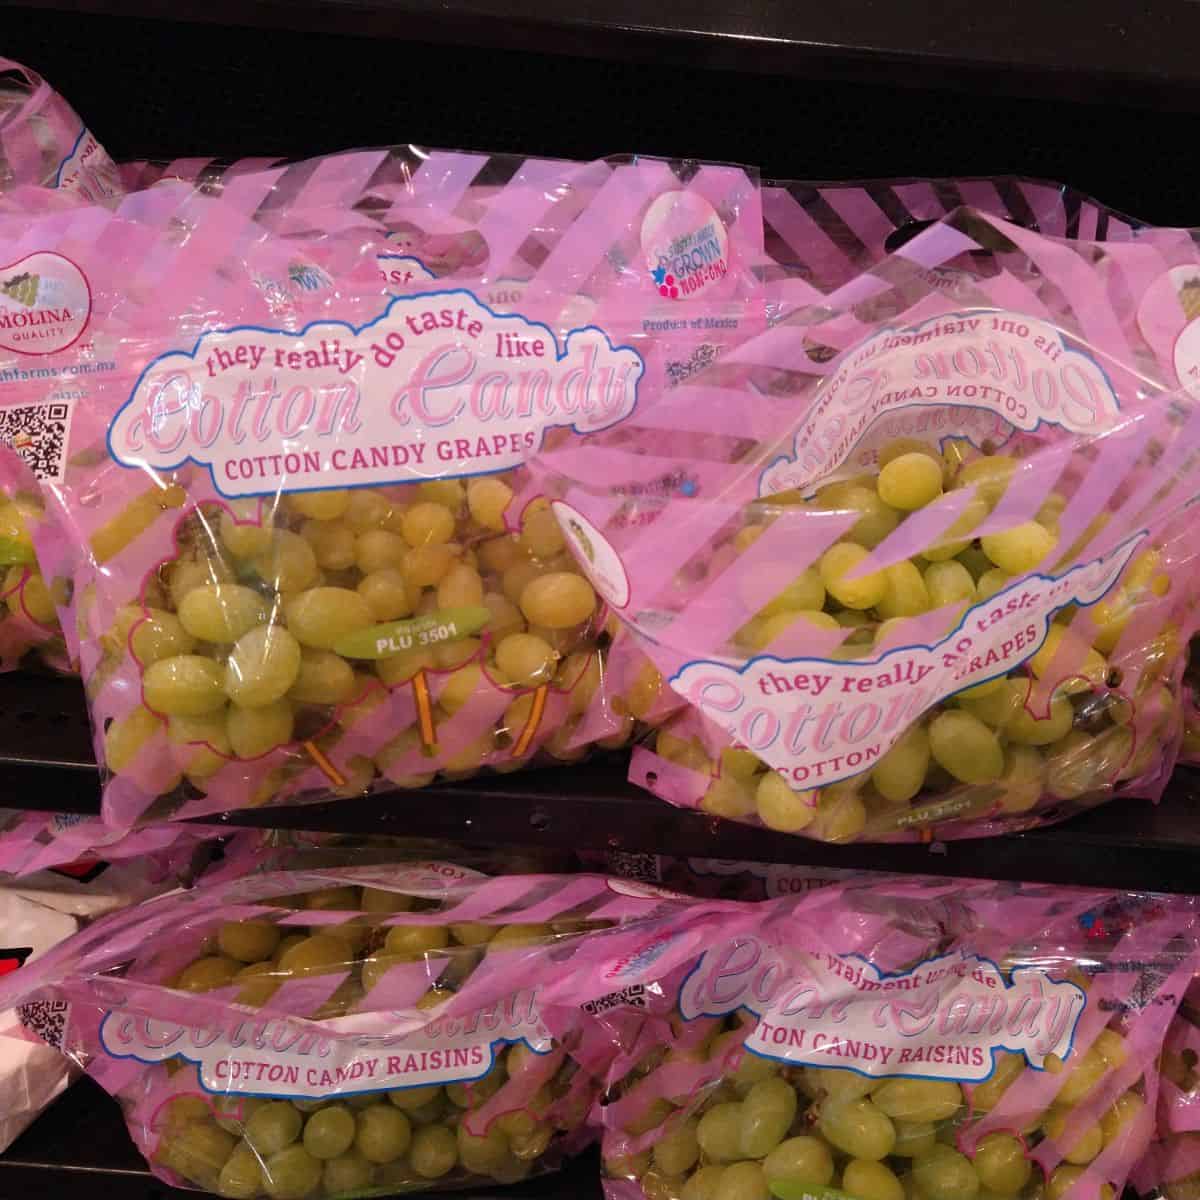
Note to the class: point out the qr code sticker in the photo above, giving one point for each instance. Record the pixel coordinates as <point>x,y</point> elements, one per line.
<point>633,996</point>
<point>39,433</point>
<point>641,867</point>
<point>46,1018</point>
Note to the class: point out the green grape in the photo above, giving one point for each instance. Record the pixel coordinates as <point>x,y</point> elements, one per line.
<point>460,587</point>
<point>803,1160</point>
<point>899,774</point>
<point>330,1132</point>
<point>998,705</point>
<point>184,1110</point>
<point>469,933</point>
<point>288,564</point>
<point>221,612</point>
<point>1084,762</point>
<point>256,731</point>
<point>678,1150</point>
<point>323,505</point>
<point>333,899</point>
<point>945,1174</point>
<point>907,445</point>
<point>482,1153</point>
<point>955,540</point>
<point>153,633</point>
<point>427,524</point>
<point>434,1151</point>
<point>323,678</point>
<point>751,1068</point>
<point>1019,549</point>
<point>292,1173</point>
<point>1082,1077</point>
<point>346,1174</point>
<point>384,1133</point>
<point>414,941</point>
<point>241,1177</point>
<point>232,1112</point>
<point>207,974</point>
<point>1088,669</point>
<point>877,520</point>
<point>320,954</point>
<point>949,583</point>
<point>541,536</point>
<point>910,482</point>
<point>125,737</point>
<point>922,1100</point>
<point>719,1133</point>
<point>1084,1148</point>
<point>781,808</point>
<point>870,1181</point>
<point>1029,730</point>
<point>806,591</point>
<point>185,685</point>
<point>985,1096</point>
<point>379,550</point>
<point>506,938</point>
<point>857,1128</point>
<point>767,1114</point>
<point>557,600</point>
<point>703,1184</point>
<point>906,594</point>
<point>913,1139</point>
<point>990,582</point>
<point>272,1127</point>
<point>531,1145</point>
<point>742,1181</point>
<point>526,660</point>
<point>321,616</point>
<point>248,941</point>
<point>386,594</point>
<point>989,476</point>
<point>837,562</point>
<point>1115,1122</point>
<point>332,543</point>
<point>965,747</point>
<point>380,900</point>
<point>262,667</point>
<point>197,1151</point>
<point>487,499</point>
<point>1064,1178</point>
<point>406,1099</point>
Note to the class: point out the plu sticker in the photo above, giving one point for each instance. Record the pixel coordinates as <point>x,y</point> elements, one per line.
<point>395,637</point>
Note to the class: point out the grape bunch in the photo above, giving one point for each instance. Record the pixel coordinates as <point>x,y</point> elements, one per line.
<point>759,1128</point>
<point>29,605</point>
<point>985,751</point>
<point>265,632</point>
<point>245,1146</point>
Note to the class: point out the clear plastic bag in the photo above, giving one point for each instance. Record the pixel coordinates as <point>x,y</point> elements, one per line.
<point>441,625</point>
<point>340,1032</point>
<point>902,1038</point>
<point>926,558</point>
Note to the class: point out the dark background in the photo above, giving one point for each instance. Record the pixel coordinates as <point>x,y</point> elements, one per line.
<point>158,88</point>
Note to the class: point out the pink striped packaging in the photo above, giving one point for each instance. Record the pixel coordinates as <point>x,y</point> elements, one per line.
<point>997,647</point>
<point>404,1002</point>
<point>901,1037</point>
<point>182,283</point>
<point>44,143</point>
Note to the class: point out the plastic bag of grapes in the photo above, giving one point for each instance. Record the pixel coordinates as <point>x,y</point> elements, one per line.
<point>902,1038</point>
<point>927,567</point>
<point>364,1031</point>
<point>44,143</point>
<point>1179,1102</point>
<point>331,586</point>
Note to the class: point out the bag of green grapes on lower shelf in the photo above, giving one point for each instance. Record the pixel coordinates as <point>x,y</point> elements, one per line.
<point>338,1032</point>
<point>921,564</point>
<point>900,1039</point>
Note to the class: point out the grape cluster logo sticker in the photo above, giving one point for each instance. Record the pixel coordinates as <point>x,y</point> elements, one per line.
<point>45,304</point>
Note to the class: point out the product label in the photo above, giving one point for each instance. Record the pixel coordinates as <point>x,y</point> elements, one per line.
<point>438,385</point>
<point>278,1057</point>
<point>943,1019</point>
<point>686,245</point>
<point>817,721</point>
<point>978,375</point>
<point>87,171</point>
<point>45,303</point>
<point>595,553</point>
<point>395,637</point>
<point>402,270</point>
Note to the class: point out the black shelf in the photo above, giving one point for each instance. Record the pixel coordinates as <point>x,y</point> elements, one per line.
<point>1111,52</point>
<point>87,1124</point>
<point>46,763</point>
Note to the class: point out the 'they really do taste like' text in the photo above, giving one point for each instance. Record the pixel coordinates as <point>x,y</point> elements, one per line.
<point>437,385</point>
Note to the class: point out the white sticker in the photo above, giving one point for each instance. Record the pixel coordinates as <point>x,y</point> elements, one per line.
<point>817,721</point>
<point>595,554</point>
<point>437,386</point>
<point>979,375</point>
<point>944,1019</point>
<point>685,244</point>
<point>45,303</point>
<point>268,1056</point>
